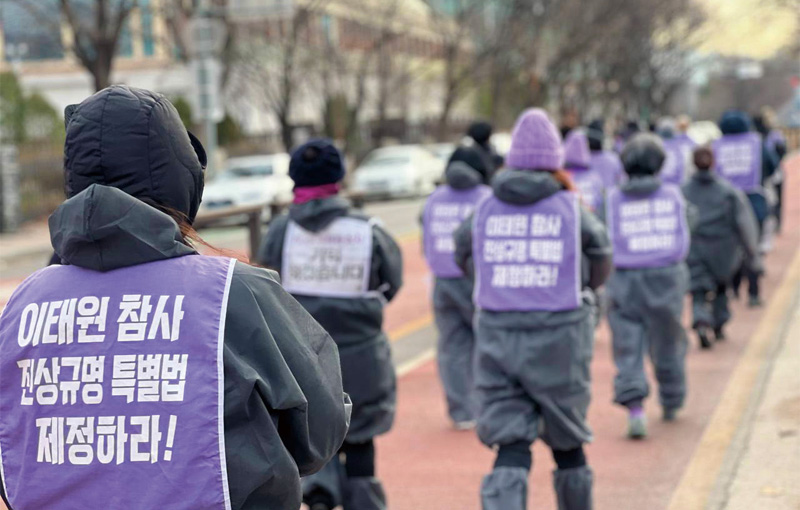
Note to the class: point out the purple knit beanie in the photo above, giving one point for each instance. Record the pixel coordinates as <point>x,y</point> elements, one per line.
<point>535,143</point>
<point>576,150</point>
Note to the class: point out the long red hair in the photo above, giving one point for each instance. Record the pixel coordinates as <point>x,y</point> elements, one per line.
<point>565,179</point>
<point>191,238</point>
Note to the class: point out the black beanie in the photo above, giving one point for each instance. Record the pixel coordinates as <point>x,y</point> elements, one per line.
<point>480,131</point>
<point>643,155</point>
<point>315,163</point>
<point>133,140</point>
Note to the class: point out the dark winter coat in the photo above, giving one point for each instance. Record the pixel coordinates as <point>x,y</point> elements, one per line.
<point>285,414</point>
<point>356,324</point>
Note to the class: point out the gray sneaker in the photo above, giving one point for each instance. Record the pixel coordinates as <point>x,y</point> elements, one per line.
<point>637,426</point>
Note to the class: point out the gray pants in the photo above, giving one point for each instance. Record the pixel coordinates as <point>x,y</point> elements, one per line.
<point>453,309</point>
<point>535,382</point>
<point>710,308</point>
<point>645,316</point>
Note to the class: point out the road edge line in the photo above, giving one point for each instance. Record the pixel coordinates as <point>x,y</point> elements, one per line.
<point>416,362</point>
<point>700,478</point>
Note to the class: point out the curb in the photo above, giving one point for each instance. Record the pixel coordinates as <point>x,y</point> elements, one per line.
<point>709,473</point>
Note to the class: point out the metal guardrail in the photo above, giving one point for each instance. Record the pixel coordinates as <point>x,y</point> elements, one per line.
<point>253,213</point>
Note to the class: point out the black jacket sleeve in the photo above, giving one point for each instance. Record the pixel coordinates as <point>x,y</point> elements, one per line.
<point>283,388</point>
<point>270,254</point>
<point>390,262</point>
<point>463,240</point>
<point>596,248</point>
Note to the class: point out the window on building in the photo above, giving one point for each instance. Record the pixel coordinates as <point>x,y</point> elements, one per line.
<point>31,36</point>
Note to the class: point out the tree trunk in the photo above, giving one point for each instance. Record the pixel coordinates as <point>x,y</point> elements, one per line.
<point>101,71</point>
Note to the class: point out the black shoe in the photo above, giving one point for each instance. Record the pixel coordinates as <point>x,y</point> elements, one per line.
<point>702,334</point>
<point>719,333</point>
<point>319,500</point>
<point>754,302</point>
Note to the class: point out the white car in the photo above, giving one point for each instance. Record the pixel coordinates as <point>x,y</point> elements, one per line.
<point>703,132</point>
<point>400,171</point>
<point>501,143</point>
<point>250,180</point>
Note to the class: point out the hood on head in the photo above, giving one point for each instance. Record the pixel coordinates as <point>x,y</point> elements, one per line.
<point>643,155</point>
<point>596,139</point>
<point>471,157</point>
<point>666,128</point>
<point>460,175</point>
<point>522,187</point>
<point>103,228</point>
<point>576,150</point>
<point>480,131</point>
<point>535,143</point>
<point>133,139</point>
<point>734,122</point>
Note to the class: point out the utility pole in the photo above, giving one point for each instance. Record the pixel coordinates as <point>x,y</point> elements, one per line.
<point>207,35</point>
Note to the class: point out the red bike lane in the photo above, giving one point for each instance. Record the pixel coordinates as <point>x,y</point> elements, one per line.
<point>427,465</point>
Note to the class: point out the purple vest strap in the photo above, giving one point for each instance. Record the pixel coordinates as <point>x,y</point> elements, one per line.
<point>738,159</point>
<point>528,257</point>
<point>444,211</point>
<point>111,387</point>
<point>648,231</point>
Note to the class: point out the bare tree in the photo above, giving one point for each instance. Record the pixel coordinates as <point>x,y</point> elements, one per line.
<point>96,26</point>
<point>267,59</point>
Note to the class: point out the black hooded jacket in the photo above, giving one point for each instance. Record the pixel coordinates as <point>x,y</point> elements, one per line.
<point>285,413</point>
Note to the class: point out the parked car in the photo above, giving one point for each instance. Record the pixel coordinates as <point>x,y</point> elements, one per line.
<point>501,143</point>
<point>400,171</point>
<point>443,151</point>
<point>250,180</point>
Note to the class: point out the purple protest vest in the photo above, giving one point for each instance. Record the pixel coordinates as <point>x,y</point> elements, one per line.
<point>111,387</point>
<point>591,186</point>
<point>774,138</point>
<point>678,152</point>
<point>608,165</point>
<point>738,159</point>
<point>528,257</point>
<point>648,230</point>
<point>444,211</point>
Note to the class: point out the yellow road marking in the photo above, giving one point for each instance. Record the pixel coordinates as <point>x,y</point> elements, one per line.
<point>408,236</point>
<point>699,479</point>
<point>411,327</point>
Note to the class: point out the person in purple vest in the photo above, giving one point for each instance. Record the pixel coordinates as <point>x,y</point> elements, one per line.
<point>648,225</point>
<point>140,374</point>
<point>678,148</point>
<point>605,162</point>
<point>444,211</point>
<point>537,255</point>
<point>743,159</point>
<point>588,179</point>
<point>342,267</point>
<point>726,235</point>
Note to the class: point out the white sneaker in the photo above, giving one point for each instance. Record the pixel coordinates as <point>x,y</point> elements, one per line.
<point>464,425</point>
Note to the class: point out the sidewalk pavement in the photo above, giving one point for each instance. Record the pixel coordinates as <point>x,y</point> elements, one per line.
<point>33,239</point>
<point>767,473</point>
